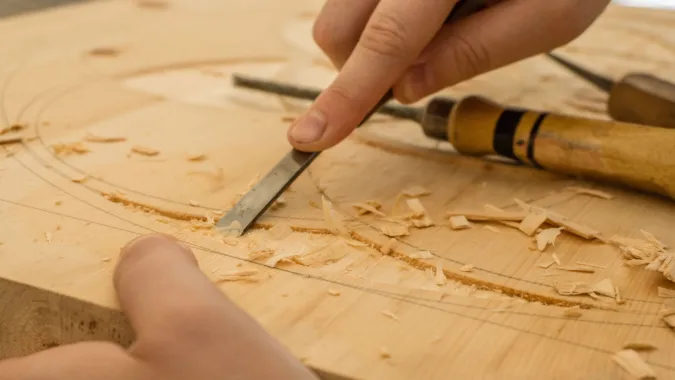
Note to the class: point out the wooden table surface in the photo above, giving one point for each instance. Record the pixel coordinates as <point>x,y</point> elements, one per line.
<point>160,78</point>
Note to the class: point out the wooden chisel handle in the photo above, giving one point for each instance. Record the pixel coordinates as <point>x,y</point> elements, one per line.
<point>643,99</point>
<point>635,155</point>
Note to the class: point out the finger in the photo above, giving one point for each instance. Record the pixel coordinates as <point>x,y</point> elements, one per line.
<point>184,325</point>
<point>82,361</point>
<point>504,33</point>
<point>339,25</point>
<point>392,39</point>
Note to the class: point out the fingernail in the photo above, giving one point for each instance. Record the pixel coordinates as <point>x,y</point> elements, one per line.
<point>414,83</point>
<point>309,128</point>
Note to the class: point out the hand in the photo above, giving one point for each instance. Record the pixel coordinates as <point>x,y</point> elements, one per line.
<point>380,44</point>
<point>185,328</point>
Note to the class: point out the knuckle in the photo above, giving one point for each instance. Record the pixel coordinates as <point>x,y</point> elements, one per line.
<point>386,35</point>
<point>470,58</point>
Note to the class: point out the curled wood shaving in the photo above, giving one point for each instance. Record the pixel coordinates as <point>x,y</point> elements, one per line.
<point>576,268</point>
<point>82,179</point>
<point>275,259</point>
<point>459,222</point>
<point>532,222</point>
<point>489,215</point>
<point>440,275</point>
<point>66,149</point>
<point>631,362</point>
<point>355,243</point>
<point>605,288</point>
<point>391,315</point>
<point>193,203</point>
<point>177,215</point>
<point>104,139</point>
<point>591,192</point>
<point>332,219</point>
<point>367,208</point>
<point>665,293</point>
<point>415,192</point>
<point>639,346</point>
<point>333,292</point>
<point>546,265</point>
<point>547,237</point>
<point>144,151</point>
<point>11,140</point>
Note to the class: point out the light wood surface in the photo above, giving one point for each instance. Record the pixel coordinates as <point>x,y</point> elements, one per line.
<point>159,78</point>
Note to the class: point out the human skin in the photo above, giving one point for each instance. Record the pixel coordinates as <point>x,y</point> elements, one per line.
<point>185,327</point>
<point>401,44</point>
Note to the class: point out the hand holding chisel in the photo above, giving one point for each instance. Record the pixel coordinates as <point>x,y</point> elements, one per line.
<point>403,44</point>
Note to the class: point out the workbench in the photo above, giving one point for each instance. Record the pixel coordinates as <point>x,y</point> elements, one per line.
<point>158,77</point>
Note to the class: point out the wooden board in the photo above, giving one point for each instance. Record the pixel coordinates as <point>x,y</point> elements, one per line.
<point>161,80</point>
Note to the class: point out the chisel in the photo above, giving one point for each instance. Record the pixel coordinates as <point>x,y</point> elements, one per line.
<point>635,98</point>
<point>254,203</point>
<point>635,155</point>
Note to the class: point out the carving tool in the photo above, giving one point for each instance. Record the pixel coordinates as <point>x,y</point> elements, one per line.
<point>254,203</point>
<point>635,98</point>
<point>635,155</point>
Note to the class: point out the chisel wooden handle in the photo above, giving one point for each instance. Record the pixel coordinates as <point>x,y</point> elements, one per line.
<point>635,155</point>
<point>643,99</point>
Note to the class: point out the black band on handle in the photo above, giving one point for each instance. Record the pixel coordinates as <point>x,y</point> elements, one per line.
<point>505,132</point>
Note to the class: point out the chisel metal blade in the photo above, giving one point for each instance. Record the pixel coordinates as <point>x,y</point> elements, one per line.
<point>261,196</point>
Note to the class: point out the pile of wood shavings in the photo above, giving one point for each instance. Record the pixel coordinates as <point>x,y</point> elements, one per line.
<point>66,149</point>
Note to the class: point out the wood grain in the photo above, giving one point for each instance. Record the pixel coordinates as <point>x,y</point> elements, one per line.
<point>167,88</point>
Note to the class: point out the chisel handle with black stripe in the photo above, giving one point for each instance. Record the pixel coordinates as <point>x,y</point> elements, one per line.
<point>635,155</point>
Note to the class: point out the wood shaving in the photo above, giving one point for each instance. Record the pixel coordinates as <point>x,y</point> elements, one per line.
<point>11,140</point>
<point>467,268</point>
<point>547,237</point>
<point>275,259</point>
<point>259,254</point>
<point>247,275</point>
<point>670,320</point>
<point>491,228</point>
<point>104,52</point>
<point>12,128</point>
<point>415,192</point>
<point>665,293</point>
<point>66,149</point>
<point>391,315</point>
<point>631,362</point>
<point>144,151</point>
<point>489,215</point>
<point>569,288</point>
<point>532,222</point>
<point>562,221</point>
<point>193,203</point>
<point>177,215</point>
<point>591,265</point>
<point>196,157</point>
<point>82,179</point>
<point>572,312</point>
<point>104,139</point>
<point>231,241</point>
<point>555,258</point>
<point>393,230</point>
<point>366,208</point>
<point>546,265</point>
<point>48,237</point>
<point>652,239</point>
<point>576,268</point>
<point>459,222</point>
<point>440,275</point>
<point>639,346</point>
<point>591,192</point>
<point>422,255</point>
<point>332,219</point>
<point>420,217</point>
<point>605,288</point>
<point>355,243</point>
<point>508,223</point>
<point>278,203</point>
<point>333,292</point>
<point>384,353</point>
